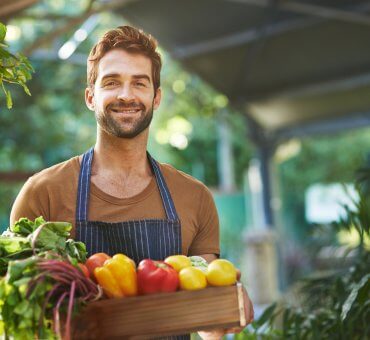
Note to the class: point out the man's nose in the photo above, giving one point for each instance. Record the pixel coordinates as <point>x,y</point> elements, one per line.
<point>126,93</point>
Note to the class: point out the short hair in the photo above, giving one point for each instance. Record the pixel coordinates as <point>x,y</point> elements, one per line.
<point>130,39</point>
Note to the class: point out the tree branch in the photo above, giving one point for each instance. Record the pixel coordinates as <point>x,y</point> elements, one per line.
<point>70,23</point>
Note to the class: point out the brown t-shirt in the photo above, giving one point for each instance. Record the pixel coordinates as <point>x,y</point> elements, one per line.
<point>52,193</point>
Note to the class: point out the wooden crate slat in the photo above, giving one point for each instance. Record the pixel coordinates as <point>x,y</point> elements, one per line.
<point>161,314</point>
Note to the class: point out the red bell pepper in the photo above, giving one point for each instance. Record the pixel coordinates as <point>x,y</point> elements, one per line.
<point>156,277</point>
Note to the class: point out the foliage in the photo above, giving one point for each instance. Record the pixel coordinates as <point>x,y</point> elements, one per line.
<point>39,271</point>
<point>334,304</point>
<point>27,237</point>
<point>321,159</point>
<point>14,69</point>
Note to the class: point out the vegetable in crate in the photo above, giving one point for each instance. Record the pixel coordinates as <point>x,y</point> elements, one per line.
<point>221,273</point>
<point>178,262</point>
<point>156,277</point>
<point>26,237</point>
<point>96,260</point>
<point>43,275</point>
<point>199,262</point>
<point>192,278</point>
<point>117,277</point>
<point>35,290</point>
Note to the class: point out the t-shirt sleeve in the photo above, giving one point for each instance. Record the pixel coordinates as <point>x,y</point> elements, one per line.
<point>30,202</point>
<point>207,238</point>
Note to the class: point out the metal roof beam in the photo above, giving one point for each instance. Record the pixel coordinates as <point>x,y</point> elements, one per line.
<point>251,35</point>
<point>15,6</point>
<point>240,38</point>
<point>330,13</point>
<point>336,124</point>
<point>316,88</point>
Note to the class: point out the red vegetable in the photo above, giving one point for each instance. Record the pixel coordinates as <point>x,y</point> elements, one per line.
<point>156,277</point>
<point>84,269</point>
<point>96,260</point>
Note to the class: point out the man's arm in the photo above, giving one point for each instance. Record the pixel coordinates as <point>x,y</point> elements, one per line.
<point>209,257</point>
<point>29,203</point>
<point>248,308</point>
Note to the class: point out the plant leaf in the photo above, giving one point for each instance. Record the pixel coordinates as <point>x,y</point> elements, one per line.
<point>9,101</point>
<point>353,295</point>
<point>266,315</point>
<point>2,32</point>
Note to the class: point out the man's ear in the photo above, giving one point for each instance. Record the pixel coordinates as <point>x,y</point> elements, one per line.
<point>89,98</point>
<point>157,98</point>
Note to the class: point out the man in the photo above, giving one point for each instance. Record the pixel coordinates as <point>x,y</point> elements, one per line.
<point>118,198</point>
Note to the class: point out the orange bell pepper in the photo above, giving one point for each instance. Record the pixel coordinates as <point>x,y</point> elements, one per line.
<point>117,277</point>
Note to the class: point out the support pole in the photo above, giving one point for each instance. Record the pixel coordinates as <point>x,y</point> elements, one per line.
<point>260,255</point>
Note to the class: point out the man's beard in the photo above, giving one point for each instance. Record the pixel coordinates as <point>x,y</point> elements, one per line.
<point>112,125</point>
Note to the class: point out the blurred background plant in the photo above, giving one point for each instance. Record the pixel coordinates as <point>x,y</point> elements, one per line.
<point>333,303</point>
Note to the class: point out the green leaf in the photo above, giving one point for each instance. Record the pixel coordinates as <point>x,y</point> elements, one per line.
<point>9,101</point>
<point>2,32</point>
<point>353,295</point>
<point>13,298</point>
<point>266,315</point>
<point>286,321</point>
<point>26,89</point>
<point>24,226</point>
<point>50,236</point>
<point>10,245</point>
<point>17,268</point>
<point>22,307</point>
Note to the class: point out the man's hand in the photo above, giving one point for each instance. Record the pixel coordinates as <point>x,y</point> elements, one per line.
<point>219,333</point>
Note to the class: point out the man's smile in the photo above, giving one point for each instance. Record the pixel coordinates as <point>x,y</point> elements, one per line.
<point>125,111</point>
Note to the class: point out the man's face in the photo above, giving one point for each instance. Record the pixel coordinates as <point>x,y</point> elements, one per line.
<point>123,97</point>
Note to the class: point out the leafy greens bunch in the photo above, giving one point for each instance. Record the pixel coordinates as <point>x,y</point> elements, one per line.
<point>26,237</point>
<point>43,283</point>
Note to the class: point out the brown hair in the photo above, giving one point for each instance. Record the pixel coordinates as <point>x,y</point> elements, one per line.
<point>129,39</point>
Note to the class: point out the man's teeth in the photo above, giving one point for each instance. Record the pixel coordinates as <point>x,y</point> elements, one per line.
<point>126,111</point>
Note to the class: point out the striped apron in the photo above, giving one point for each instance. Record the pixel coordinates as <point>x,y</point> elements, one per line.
<point>139,239</point>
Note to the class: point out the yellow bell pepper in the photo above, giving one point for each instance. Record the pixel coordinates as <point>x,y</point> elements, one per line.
<point>117,277</point>
<point>107,281</point>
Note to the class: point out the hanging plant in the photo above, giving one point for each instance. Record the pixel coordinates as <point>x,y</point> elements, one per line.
<point>14,69</point>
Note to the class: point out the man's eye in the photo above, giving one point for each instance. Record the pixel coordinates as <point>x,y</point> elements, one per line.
<point>140,84</point>
<point>110,83</point>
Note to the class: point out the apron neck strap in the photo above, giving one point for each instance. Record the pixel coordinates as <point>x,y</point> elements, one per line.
<point>83,191</point>
<point>84,186</point>
<point>168,204</point>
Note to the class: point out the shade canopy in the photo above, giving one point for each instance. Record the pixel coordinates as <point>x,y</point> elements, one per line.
<point>292,67</point>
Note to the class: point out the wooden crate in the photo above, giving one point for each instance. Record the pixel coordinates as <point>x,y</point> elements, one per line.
<point>162,314</point>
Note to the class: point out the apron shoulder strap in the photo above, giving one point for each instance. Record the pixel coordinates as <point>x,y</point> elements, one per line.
<point>84,186</point>
<point>168,204</point>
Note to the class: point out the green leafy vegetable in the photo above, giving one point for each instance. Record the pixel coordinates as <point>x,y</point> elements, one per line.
<point>199,262</point>
<point>27,237</point>
<point>36,290</point>
<point>42,279</point>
